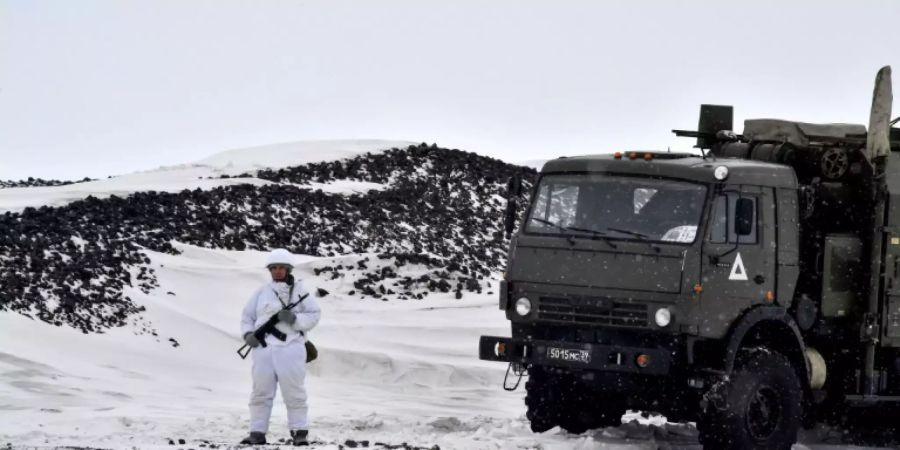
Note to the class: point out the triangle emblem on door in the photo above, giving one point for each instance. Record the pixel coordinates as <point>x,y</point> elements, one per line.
<point>738,272</point>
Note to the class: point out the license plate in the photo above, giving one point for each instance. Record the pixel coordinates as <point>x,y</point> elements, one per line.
<point>570,355</point>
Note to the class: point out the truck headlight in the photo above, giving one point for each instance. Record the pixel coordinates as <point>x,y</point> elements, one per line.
<point>523,306</point>
<point>663,317</point>
<point>721,173</point>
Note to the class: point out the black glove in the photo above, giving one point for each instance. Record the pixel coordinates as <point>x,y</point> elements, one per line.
<point>251,340</point>
<point>287,316</point>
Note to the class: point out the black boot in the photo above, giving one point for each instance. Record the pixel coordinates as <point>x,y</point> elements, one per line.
<point>255,438</point>
<point>299,437</point>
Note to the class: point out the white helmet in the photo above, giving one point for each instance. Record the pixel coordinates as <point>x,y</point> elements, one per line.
<point>280,256</point>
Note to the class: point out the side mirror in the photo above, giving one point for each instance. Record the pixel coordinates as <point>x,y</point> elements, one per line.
<point>514,186</point>
<point>743,224</point>
<point>511,207</point>
<point>513,191</point>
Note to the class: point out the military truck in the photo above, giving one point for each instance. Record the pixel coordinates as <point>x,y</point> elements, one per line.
<point>753,288</point>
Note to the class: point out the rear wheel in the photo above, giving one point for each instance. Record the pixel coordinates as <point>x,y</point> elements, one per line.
<point>759,407</point>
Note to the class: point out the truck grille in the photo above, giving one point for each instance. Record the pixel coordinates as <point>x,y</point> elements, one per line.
<point>593,311</point>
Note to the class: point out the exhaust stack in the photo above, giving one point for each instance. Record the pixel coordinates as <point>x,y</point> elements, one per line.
<point>878,138</point>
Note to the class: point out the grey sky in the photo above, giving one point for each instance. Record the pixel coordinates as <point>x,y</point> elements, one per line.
<point>95,88</point>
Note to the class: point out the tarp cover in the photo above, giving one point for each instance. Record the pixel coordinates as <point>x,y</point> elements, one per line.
<point>798,133</point>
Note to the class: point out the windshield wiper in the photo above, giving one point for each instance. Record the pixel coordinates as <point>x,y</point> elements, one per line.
<point>642,236</point>
<point>633,233</point>
<point>598,233</point>
<point>554,224</point>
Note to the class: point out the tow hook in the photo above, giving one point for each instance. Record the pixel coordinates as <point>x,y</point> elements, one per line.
<point>518,370</point>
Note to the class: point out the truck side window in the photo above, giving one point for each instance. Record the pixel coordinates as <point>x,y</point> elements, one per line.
<point>723,223</point>
<point>749,238</point>
<point>718,232</point>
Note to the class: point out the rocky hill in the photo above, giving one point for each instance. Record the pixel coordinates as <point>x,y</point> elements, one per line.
<point>437,209</point>
<point>38,182</point>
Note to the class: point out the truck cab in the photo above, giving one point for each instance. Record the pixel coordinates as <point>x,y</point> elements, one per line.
<point>651,241</point>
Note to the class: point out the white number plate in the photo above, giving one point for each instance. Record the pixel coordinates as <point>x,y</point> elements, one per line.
<point>565,354</point>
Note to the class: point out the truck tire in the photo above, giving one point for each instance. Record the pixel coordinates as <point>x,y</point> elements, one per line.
<point>759,406</point>
<point>542,407</point>
<point>590,411</point>
<point>558,399</point>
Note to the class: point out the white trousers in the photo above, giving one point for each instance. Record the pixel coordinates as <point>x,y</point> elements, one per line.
<point>273,366</point>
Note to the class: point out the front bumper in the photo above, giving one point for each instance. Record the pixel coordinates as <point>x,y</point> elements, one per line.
<point>586,356</point>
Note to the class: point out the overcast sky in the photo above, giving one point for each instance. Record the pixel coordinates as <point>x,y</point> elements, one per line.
<point>97,88</point>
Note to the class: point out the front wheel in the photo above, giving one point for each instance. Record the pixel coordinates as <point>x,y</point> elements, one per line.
<point>543,409</point>
<point>759,407</point>
<point>560,399</point>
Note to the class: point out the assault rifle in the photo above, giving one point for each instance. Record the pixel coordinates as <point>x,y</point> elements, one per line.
<point>268,328</point>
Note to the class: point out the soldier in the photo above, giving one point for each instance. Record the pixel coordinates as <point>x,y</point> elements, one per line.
<point>279,363</point>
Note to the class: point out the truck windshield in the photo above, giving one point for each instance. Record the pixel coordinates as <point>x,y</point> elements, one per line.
<point>617,207</point>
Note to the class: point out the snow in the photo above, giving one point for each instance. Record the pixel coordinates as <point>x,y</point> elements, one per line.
<point>204,174</point>
<point>162,180</point>
<point>342,186</point>
<point>390,370</point>
<point>234,162</point>
<point>394,372</point>
<point>536,164</point>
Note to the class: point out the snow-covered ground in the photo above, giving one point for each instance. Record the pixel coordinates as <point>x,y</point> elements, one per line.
<point>204,174</point>
<point>392,372</point>
<point>238,161</point>
<point>389,371</point>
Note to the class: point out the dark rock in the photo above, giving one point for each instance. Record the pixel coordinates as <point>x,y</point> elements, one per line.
<point>438,212</point>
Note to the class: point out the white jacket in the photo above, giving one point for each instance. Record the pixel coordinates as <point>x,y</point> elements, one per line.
<point>265,302</point>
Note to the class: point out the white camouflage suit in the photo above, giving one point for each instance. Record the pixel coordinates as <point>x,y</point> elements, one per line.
<point>280,363</point>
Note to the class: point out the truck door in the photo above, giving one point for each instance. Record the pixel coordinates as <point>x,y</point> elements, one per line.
<point>738,266</point>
